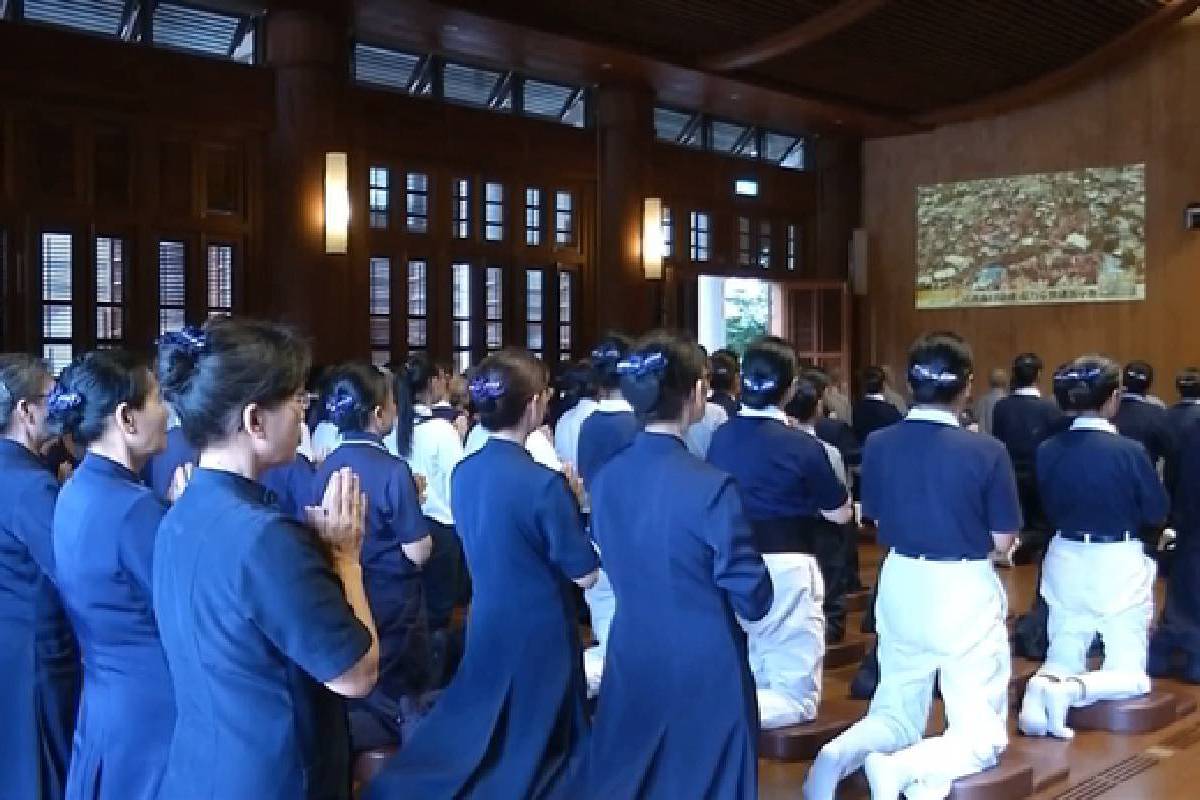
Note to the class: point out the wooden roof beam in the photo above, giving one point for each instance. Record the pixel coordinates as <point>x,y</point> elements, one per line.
<point>811,31</point>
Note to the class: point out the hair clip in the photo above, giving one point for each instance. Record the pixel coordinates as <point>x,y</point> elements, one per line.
<point>60,401</point>
<point>759,384</point>
<point>933,373</point>
<point>190,339</point>
<point>340,402</point>
<point>605,354</point>
<point>639,366</point>
<point>483,388</point>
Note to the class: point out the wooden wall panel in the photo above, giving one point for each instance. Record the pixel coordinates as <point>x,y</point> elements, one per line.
<point>1147,110</point>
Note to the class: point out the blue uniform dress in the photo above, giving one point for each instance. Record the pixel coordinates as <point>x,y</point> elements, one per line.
<point>253,620</point>
<point>785,479</point>
<point>609,428</point>
<point>511,724</point>
<point>104,530</point>
<point>39,661</point>
<point>392,582</point>
<point>677,714</point>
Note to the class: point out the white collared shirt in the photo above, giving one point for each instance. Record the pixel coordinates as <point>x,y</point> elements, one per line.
<point>878,397</point>
<point>832,453</point>
<point>770,412</point>
<point>436,451</point>
<point>699,434</point>
<point>610,405</point>
<point>1028,391</point>
<point>1093,424</point>
<point>566,432</point>
<point>927,414</point>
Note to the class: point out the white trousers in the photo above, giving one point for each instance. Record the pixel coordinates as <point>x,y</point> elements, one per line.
<point>787,646</point>
<point>1105,589</point>
<point>939,621</point>
<point>602,605</point>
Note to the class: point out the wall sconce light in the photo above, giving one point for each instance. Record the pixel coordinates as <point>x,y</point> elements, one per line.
<point>652,239</point>
<point>337,203</point>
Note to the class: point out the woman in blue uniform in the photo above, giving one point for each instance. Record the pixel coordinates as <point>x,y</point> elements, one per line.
<point>793,499</point>
<point>397,543</point>
<point>104,530</point>
<point>944,498</point>
<point>512,721</point>
<point>1098,490</point>
<point>873,410</point>
<point>677,715</point>
<point>39,661</point>
<point>612,425</point>
<point>264,621</point>
<point>431,447</point>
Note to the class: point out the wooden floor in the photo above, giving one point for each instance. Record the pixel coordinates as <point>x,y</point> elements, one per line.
<point>1163,765</point>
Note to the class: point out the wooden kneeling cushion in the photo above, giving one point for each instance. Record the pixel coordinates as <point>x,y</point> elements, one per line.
<point>803,742</point>
<point>1143,714</point>
<point>368,763</point>
<point>1011,779</point>
<point>844,653</point>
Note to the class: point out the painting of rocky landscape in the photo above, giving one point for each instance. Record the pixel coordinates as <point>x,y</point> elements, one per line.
<point>1058,237</point>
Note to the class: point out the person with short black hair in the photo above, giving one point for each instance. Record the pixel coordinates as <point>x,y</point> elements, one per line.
<point>511,723</point>
<point>873,411</point>
<point>1140,419</point>
<point>613,425</point>
<point>39,658</point>
<point>1099,489</point>
<point>264,621</point>
<point>792,496</point>
<point>725,381</point>
<point>105,525</point>
<point>397,543</point>
<point>677,690</point>
<point>1183,414</point>
<point>944,499</point>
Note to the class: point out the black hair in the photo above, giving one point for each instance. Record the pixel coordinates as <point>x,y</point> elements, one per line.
<point>1137,377</point>
<point>724,367</point>
<point>90,389</point>
<point>22,377</point>
<point>572,384</point>
<point>660,374</point>
<point>940,366</point>
<point>605,358</point>
<point>873,380</point>
<point>210,375</point>
<point>410,379</point>
<point>352,392</point>
<point>1086,383</point>
<point>807,401</point>
<point>1026,368</point>
<point>768,369</point>
<point>1188,383</point>
<point>502,386</point>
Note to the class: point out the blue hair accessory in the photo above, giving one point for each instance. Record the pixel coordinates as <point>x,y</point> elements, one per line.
<point>933,373</point>
<point>759,384</point>
<point>485,388</point>
<point>339,403</point>
<point>605,354</point>
<point>60,402</point>
<point>639,366</point>
<point>190,339</point>
<point>1073,375</point>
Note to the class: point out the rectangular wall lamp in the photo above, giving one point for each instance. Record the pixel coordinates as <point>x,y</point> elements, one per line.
<point>652,238</point>
<point>337,203</point>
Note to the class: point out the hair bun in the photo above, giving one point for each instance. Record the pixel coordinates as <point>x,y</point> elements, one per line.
<point>341,406</point>
<point>179,358</point>
<point>486,391</point>
<point>64,408</point>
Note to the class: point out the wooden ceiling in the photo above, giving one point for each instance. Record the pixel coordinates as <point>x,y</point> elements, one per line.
<point>866,66</point>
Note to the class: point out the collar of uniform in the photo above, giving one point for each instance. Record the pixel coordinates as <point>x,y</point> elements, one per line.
<point>240,485</point>
<point>1028,391</point>
<point>1093,424</point>
<point>876,396</point>
<point>362,437</point>
<point>94,462</point>
<point>811,430</point>
<point>770,412</point>
<point>1189,401</point>
<point>927,414</point>
<point>422,410</point>
<point>1139,398</point>
<point>657,437</point>
<point>442,404</point>
<point>613,404</point>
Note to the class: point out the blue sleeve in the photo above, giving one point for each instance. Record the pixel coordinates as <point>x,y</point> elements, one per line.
<point>136,544</point>
<point>33,521</point>
<point>827,490</point>
<point>738,567</point>
<point>1001,503</point>
<point>407,523</point>
<point>558,521</point>
<point>1153,502</point>
<point>297,601</point>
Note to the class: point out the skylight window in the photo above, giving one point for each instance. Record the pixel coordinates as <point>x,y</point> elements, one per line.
<point>93,16</point>
<point>197,30</point>
<point>383,67</point>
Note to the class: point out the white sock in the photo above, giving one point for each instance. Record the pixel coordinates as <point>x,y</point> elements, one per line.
<point>1033,720</point>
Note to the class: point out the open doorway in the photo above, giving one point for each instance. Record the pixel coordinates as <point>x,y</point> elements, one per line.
<point>735,311</point>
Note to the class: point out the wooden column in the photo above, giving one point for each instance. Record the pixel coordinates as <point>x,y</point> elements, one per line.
<point>624,299</point>
<point>307,46</point>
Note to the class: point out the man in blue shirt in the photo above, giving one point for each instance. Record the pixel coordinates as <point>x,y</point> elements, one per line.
<point>945,499</point>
